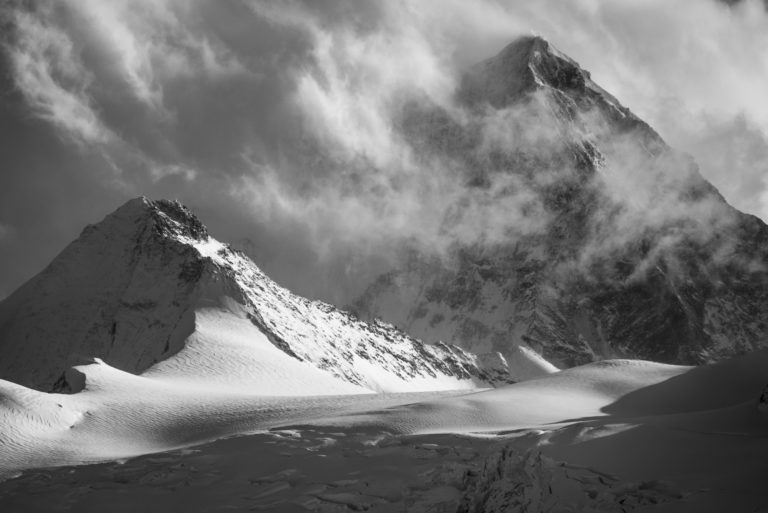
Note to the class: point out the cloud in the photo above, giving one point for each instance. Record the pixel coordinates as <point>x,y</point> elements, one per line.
<point>99,72</point>
<point>147,44</point>
<point>655,57</point>
<point>299,120</point>
<point>691,69</point>
<point>53,78</point>
<point>733,154</point>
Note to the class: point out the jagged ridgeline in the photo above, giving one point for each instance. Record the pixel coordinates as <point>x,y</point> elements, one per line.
<point>133,289</point>
<point>625,250</point>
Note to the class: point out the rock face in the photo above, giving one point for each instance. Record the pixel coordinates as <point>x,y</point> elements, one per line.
<point>762,403</point>
<point>126,291</point>
<point>120,292</point>
<point>635,254</point>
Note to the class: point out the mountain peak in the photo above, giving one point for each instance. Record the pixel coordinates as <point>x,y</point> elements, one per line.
<point>532,64</point>
<point>524,50</point>
<point>525,65</point>
<point>169,217</point>
<point>552,67</point>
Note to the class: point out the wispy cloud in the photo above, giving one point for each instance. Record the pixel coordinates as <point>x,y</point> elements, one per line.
<point>53,78</point>
<point>297,112</point>
<point>98,72</point>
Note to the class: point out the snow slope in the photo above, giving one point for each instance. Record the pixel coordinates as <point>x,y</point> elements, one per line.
<point>119,415</point>
<point>609,436</point>
<point>564,397</point>
<point>696,442</point>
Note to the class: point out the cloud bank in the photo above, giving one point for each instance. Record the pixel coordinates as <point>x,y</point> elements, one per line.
<point>282,124</point>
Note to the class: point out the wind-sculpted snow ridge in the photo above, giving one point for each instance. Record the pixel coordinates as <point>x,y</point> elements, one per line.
<point>148,283</point>
<point>628,251</point>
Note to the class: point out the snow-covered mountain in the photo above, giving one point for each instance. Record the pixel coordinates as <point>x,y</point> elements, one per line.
<point>638,257</point>
<point>147,290</point>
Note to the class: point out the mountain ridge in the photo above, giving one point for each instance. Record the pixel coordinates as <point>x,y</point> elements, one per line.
<point>130,289</point>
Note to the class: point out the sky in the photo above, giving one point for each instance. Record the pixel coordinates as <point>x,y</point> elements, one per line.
<point>274,121</point>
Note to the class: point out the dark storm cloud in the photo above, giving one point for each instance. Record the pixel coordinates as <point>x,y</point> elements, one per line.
<point>275,120</point>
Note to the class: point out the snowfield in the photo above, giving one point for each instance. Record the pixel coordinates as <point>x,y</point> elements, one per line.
<point>561,398</point>
<point>658,437</point>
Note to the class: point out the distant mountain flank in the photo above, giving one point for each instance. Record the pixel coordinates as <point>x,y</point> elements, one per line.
<point>149,284</point>
<point>638,257</point>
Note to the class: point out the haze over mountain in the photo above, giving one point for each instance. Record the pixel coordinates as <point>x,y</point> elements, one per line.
<point>632,253</point>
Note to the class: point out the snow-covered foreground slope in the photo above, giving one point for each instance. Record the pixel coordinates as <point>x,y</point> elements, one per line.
<point>193,397</point>
<point>697,442</point>
<point>120,415</point>
<point>148,285</point>
<point>564,397</point>
<point>611,436</point>
<point>610,389</point>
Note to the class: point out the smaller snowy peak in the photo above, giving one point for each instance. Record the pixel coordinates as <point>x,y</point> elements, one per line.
<point>135,288</point>
<point>169,217</point>
<point>140,221</point>
<point>176,216</point>
<point>122,291</point>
